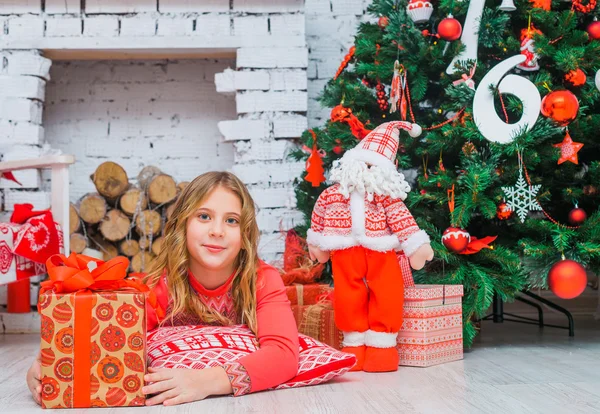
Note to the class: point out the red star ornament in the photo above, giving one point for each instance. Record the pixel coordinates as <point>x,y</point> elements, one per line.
<point>568,150</point>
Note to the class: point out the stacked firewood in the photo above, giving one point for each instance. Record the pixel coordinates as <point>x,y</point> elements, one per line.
<point>122,218</point>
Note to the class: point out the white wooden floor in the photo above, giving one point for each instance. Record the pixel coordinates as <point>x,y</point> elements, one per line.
<point>512,368</point>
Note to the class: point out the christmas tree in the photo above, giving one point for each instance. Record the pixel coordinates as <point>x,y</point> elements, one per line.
<point>511,179</point>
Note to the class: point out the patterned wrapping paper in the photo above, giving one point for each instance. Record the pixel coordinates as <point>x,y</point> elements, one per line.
<point>307,294</point>
<point>431,332</point>
<point>318,322</point>
<point>93,349</point>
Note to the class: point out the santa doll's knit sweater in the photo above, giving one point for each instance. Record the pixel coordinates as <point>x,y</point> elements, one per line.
<point>382,224</point>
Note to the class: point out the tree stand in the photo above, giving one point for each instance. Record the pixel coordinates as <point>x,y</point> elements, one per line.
<point>498,313</point>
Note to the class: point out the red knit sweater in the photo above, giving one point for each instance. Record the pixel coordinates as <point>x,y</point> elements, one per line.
<point>277,359</point>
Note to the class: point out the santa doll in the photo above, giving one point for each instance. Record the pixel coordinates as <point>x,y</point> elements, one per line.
<point>360,222</point>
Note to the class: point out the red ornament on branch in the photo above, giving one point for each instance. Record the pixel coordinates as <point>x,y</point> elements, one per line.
<point>314,164</point>
<point>593,30</point>
<point>503,212</point>
<point>455,239</point>
<point>577,216</point>
<point>560,106</point>
<point>576,77</point>
<point>383,22</point>
<point>449,29</point>
<point>568,150</point>
<point>567,279</point>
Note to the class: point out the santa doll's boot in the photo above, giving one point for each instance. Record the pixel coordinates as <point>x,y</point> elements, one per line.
<point>359,353</point>
<point>381,359</point>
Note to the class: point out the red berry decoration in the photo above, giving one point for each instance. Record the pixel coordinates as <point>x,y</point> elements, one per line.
<point>449,29</point>
<point>567,279</point>
<point>577,216</point>
<point>383,22</point>
<point>593,30</point>
<point>503,212</point>
<point>455,239</point>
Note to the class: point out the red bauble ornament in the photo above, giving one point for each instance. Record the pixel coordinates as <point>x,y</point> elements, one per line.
<point>503,212</point>
<point>338,149</point>
<point>567,279</point>
<point>449,28</point>
<point>383,22</point>
<point>594,30</point>
<point>455,239</point>
<point>577,216</point>
<point>576,77</point>
<point>561,106</point>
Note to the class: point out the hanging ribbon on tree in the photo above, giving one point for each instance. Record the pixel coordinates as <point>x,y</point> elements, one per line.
<point>314,164</point>
<point>398,91</point>
<point>345,62</point>
<point>342,114</point>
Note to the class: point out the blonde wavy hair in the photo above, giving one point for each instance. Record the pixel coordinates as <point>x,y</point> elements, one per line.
<point>174,256</point>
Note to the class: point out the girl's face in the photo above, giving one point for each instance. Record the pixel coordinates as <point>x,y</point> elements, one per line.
<point>213,232</point>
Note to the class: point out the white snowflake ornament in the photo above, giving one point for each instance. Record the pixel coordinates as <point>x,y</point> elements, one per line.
<point>521,197</point>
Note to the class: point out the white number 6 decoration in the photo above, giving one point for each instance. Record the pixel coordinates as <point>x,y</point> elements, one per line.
<point>484,114</point>
<point>470,34</point>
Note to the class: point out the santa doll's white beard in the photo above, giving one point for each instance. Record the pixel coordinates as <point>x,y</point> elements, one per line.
<point>354,175</point>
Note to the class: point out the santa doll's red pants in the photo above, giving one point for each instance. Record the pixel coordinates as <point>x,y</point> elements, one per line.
<point>369,296</point>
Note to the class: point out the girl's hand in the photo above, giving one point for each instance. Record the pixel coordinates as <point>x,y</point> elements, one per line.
<point>34,381</point>
<point>178,386</point>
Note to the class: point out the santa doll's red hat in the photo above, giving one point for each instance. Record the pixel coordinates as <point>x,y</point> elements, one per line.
<point>381,145</point>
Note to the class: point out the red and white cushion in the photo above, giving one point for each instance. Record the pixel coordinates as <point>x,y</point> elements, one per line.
<point>199,347</point>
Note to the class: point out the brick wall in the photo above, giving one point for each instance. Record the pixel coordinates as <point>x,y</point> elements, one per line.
<point>137,113</point>
<point>284,52</point>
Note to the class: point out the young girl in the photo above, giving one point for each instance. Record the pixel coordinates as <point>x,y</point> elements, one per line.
<point>208,273</point>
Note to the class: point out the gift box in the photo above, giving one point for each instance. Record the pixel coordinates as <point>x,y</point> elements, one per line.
<point>93,334</point>
<point>318,322</point>
<point>432,331</point>
<point>312,306</point>
<point>308,294</point>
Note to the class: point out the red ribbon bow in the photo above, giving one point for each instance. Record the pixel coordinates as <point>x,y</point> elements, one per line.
<point>79,273</point>
<point>467,79</point>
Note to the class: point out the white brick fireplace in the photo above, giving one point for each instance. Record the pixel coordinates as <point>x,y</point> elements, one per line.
<point>192,85</point>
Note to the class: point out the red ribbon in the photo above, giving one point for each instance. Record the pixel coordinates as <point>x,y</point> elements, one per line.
<point>467,79</point>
